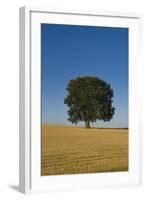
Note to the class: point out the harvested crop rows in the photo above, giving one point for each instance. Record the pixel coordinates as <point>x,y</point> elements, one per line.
<point>74,150</point>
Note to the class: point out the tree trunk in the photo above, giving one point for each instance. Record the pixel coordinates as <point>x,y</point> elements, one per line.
<point>87,124</point>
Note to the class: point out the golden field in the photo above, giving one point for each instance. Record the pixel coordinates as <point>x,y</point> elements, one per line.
<point>74,150</point>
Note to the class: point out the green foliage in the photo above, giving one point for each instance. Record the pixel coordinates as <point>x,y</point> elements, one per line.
<point>89,99</point>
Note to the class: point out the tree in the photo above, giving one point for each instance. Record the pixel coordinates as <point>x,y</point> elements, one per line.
<point>89,99</point>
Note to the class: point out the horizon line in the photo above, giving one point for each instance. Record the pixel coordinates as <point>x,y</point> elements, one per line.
<point>100,127</point>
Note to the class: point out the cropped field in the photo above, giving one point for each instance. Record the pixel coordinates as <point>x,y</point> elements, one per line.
<point>74,150</point>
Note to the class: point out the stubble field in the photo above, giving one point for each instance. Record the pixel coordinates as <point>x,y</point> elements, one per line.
<point>74,150</point>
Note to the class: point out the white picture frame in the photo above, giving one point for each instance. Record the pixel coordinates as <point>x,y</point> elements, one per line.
<point>29,160</point>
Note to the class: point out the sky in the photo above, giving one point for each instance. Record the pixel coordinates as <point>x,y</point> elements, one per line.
<point>69,51</point>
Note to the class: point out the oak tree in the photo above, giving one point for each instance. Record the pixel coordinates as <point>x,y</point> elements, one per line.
<point>89,99</point>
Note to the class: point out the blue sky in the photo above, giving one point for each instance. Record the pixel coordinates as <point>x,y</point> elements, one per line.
<point>68,51</point>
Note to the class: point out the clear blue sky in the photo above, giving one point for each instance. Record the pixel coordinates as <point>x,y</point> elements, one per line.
<point>68,51</point>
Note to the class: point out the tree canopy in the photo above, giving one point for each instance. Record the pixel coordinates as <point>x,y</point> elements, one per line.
<point>89,99</point>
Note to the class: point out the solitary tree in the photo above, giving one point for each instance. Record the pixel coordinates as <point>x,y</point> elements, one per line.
<point>89,99</point>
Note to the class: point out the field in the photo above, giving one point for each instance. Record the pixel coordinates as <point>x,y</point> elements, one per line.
<point>74,150</point>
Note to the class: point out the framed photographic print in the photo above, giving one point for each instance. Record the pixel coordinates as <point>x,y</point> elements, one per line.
<point>79,100</point>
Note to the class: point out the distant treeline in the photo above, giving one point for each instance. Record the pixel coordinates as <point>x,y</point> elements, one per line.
<point>108,128</point>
